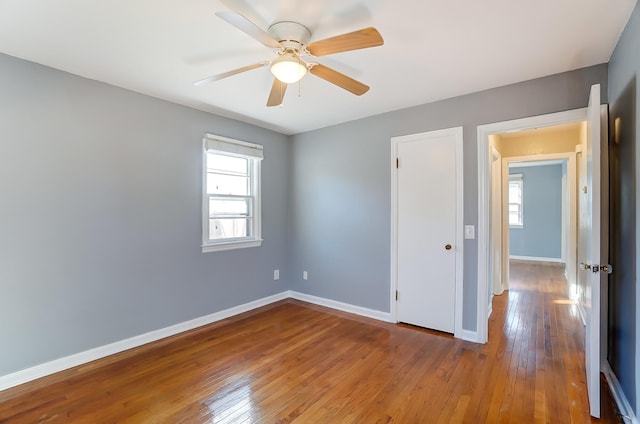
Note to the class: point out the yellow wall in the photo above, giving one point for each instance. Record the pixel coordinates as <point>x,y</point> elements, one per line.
<point>559,139</point>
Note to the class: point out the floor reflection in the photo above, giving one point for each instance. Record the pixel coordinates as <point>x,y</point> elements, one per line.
<point>233,404</point>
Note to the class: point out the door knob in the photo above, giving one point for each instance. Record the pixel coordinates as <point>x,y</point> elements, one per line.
<point>447,246</point>
<point>585,267</point>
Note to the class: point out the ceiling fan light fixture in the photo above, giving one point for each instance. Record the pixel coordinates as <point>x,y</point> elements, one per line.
<point>288,68</point>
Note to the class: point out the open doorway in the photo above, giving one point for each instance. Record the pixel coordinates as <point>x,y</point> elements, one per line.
<point>533,210</point>
<point>592,236</point>
<point>486,236</point>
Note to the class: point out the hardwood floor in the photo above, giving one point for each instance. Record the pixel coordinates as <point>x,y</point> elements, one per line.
<point>295,362</point>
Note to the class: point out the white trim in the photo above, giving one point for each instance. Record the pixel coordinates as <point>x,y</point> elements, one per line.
<point>457,133</point>
<point>484,131</point>
<point>459,331</point>
<point>341,306</point>
<point>393,277</point>
<point>504,229</point>
<point>468,335</point>
<point>536,259</point>
<point>534,163</point>
<point>618,395</point>
<point>42,370</point>
<point>230,245</point>
<point>233,147</point>
<point>565,215</point>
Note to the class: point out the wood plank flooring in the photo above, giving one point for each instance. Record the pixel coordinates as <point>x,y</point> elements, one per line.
<point>295,362</point>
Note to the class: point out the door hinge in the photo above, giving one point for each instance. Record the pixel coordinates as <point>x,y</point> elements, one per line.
<point>396,295</point>
<point>397,163</point>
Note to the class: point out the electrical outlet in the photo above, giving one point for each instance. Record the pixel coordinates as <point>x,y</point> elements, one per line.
<point>305,275</point>
<point>276,274</point>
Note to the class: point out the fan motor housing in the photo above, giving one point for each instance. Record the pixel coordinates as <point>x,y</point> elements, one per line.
<point>290,34</point>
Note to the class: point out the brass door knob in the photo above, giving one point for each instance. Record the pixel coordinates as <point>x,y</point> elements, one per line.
<point>447,246</point>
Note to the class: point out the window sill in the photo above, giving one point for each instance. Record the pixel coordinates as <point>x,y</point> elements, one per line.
<point>516,226</point>
<point>231,245</point>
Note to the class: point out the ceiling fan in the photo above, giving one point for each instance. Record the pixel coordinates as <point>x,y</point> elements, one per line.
<point>289,40</point>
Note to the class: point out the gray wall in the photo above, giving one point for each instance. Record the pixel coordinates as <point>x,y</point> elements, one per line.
<point>341,185</point>
<point>624,297</point>
<point>541,234</point>
<point>100,217</point>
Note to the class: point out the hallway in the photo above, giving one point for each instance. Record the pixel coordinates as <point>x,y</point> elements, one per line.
<point>543,336</point>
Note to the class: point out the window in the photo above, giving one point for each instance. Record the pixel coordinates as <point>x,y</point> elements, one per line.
<point>515,201</point>
<point>231,194</point>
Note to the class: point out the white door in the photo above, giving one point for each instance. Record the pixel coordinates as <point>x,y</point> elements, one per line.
<point>592,252</point>
<point>427,183</point>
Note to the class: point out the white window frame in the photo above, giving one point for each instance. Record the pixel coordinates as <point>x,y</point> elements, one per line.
<point>243,149</point>
<point>518,179</point>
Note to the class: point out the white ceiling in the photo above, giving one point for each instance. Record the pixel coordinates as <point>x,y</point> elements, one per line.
<point>433,49</point>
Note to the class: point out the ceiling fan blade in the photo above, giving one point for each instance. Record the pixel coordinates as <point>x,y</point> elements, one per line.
<point>341,80</point>
<point>208,80</point>
<point>277,93</point>
<point>249,28</point>
<point>362,39</point>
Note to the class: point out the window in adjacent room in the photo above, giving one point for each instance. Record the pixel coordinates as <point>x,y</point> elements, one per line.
<point>231,194</point>
<point>515,201</point>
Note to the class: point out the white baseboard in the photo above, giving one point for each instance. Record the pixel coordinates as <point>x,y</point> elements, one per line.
<point>61,364</point>
<point>536,259</point>
<point>618,395</point>
<point>469,336</point>
<point>345,307</point>
<point>42,370</point>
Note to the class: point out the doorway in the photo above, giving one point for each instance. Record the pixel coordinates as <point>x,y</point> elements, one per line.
<point>534,200</point>
<point>485,135</point>
<point>592,249</point>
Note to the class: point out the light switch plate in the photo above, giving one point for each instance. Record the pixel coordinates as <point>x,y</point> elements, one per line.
<point>469,232</point>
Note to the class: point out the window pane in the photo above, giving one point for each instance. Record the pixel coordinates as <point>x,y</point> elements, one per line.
<point>228,228</point>
<point>513,218</point>
<point>514,207</point>
<point>230,207</point>
<point>227,184</point>
<point>514,193</point>
<point>227,164</point>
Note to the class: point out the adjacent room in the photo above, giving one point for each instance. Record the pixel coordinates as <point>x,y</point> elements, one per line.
<point>256,211</point>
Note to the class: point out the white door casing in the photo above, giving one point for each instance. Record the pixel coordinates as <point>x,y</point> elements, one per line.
<point>426,217</point>
<point>498,204</point>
